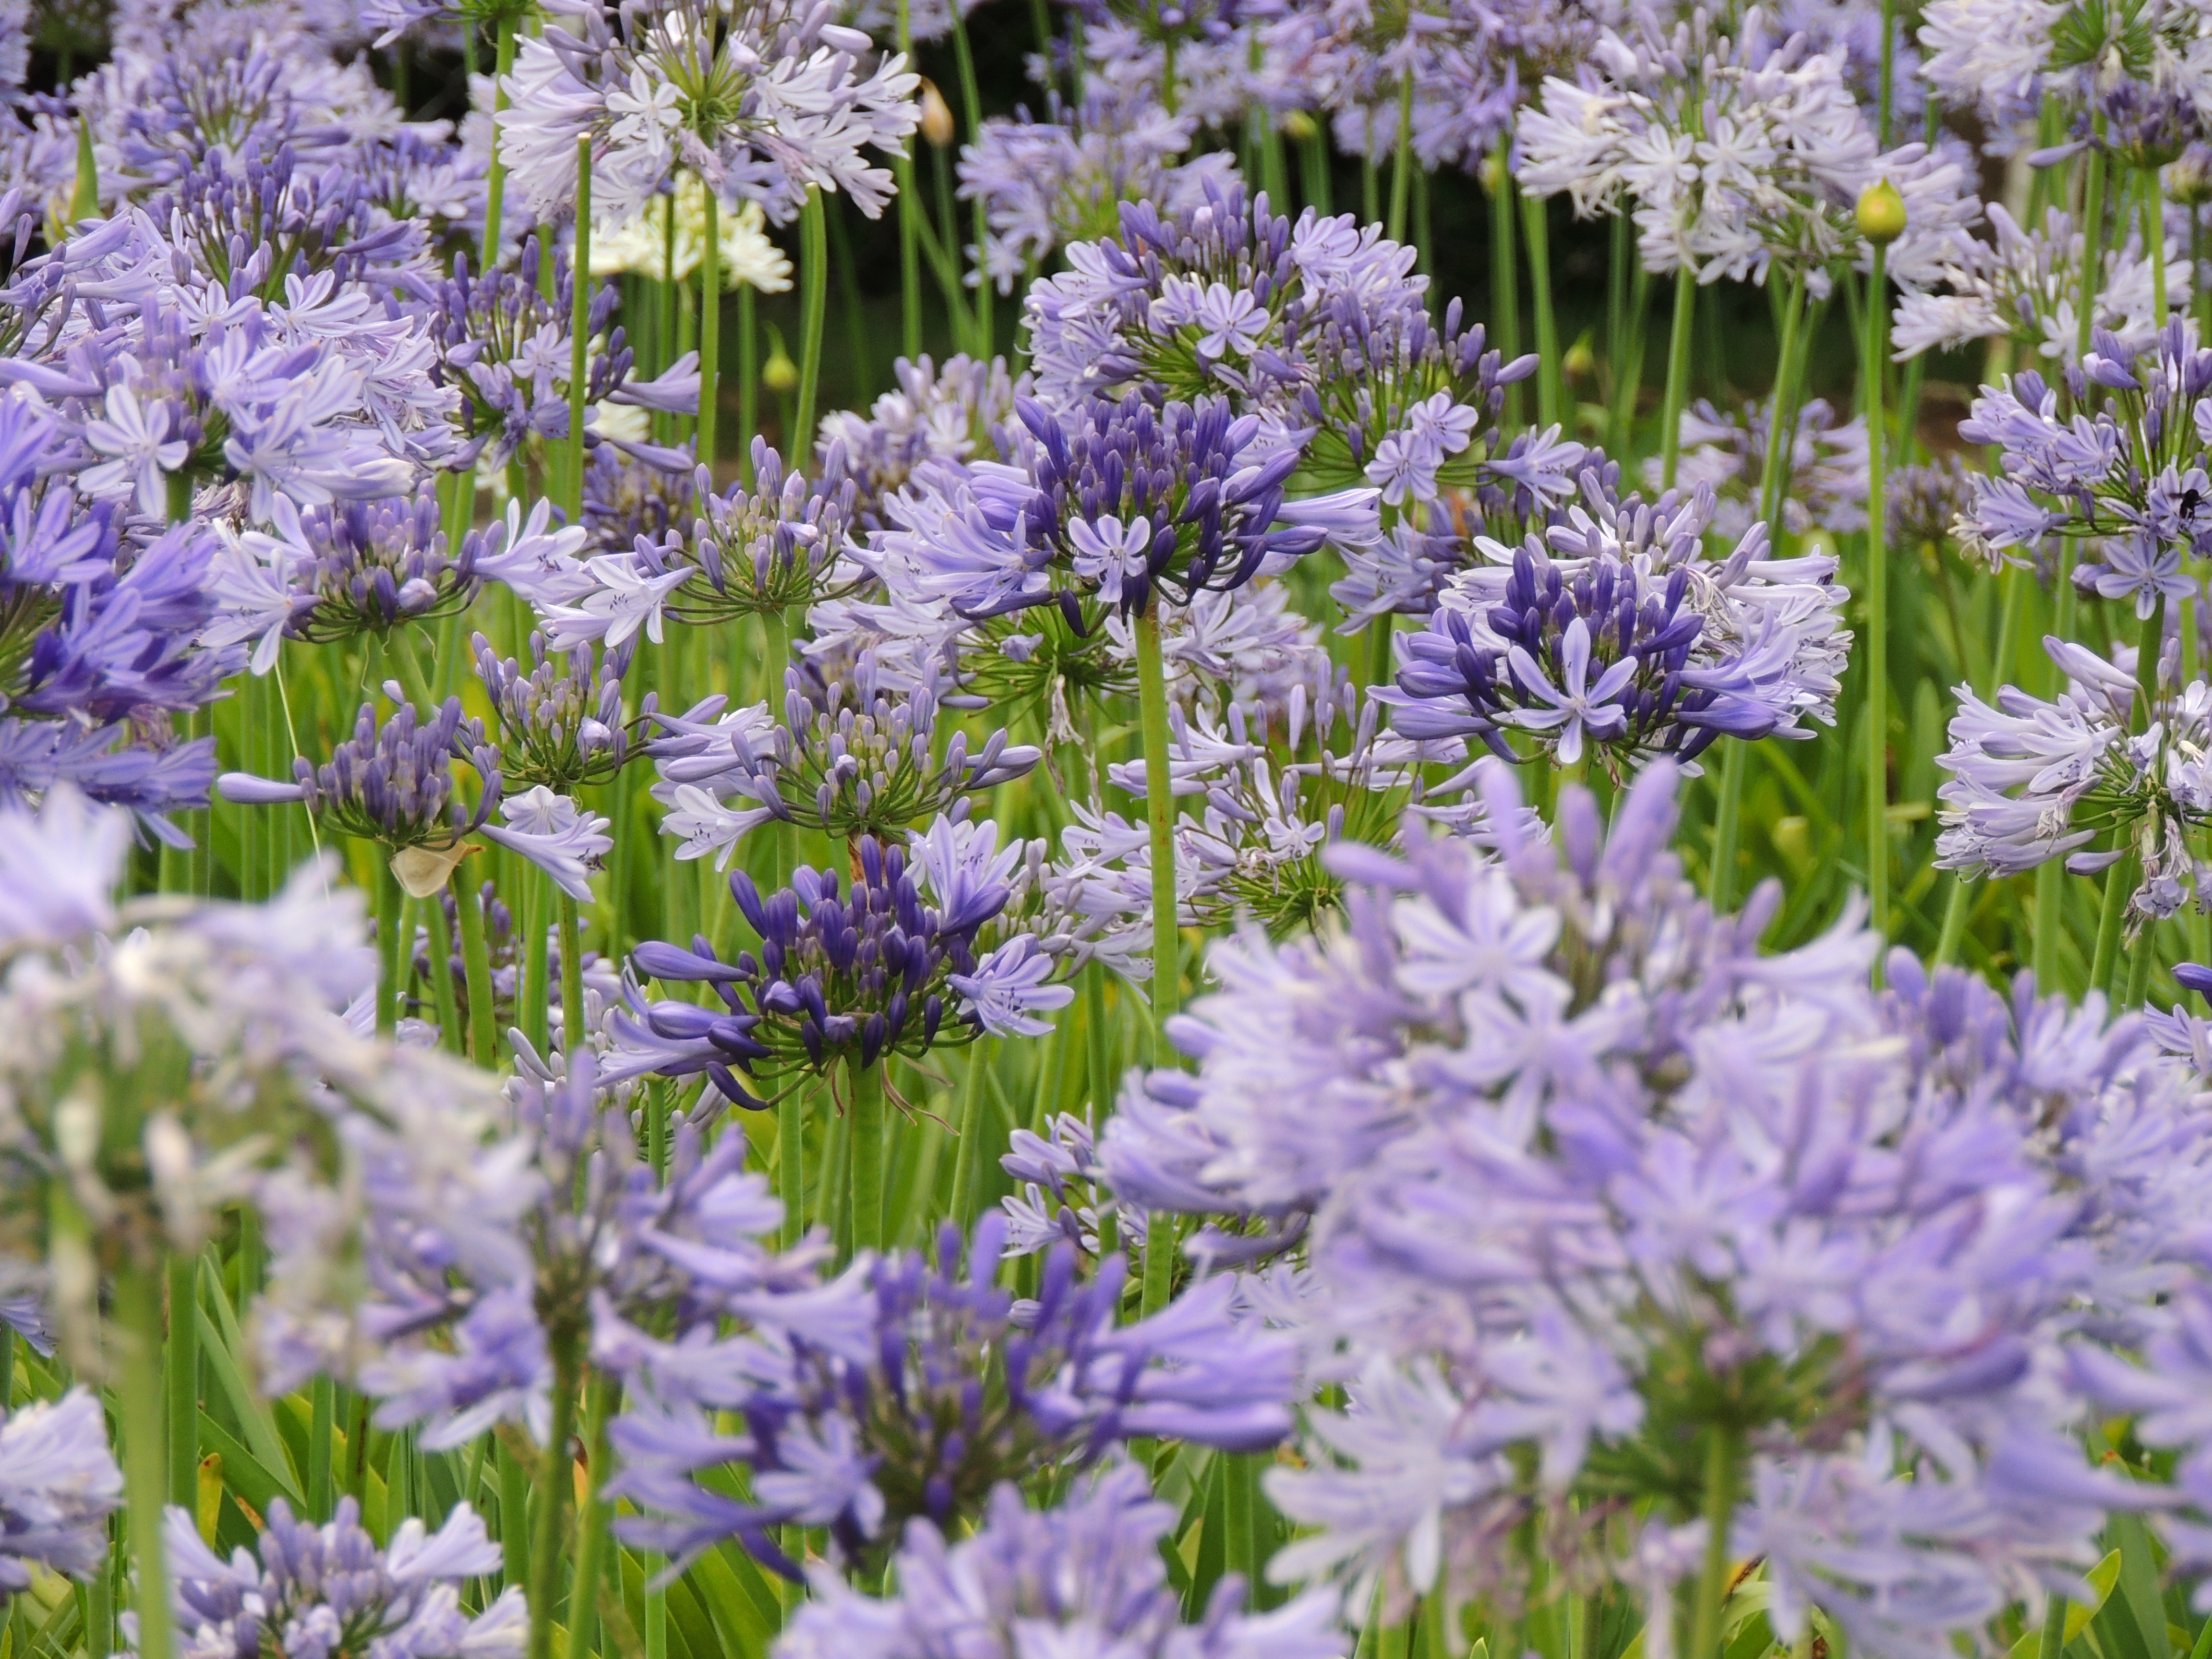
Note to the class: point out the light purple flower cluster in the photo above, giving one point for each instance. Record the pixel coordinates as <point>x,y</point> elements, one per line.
<point>318,1592</point>
<point>1088,1570</point>
<point>59,1485</point>
<point>1613,631</point>
<point>97,640</point>
<point>909,1390</point>
<point>2127,466</point>
<point>1112,500</point>
<point>855,973</point>
<point>1597,1199</point>
<point>2033,779</point>
<point>854,755</point>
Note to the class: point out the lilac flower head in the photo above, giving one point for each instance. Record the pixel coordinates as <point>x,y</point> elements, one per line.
<point>1528,1113</point>
<point>391,782</point>
<point>320,1591</point>
<point>559,726</point>
<point>853,756</point>
<point>763,103</point>
<point>948,412</point>
<point>1823,487</point>
<point>780,544</point>
<point>857,971</point>
<point>1210,301</point>
<point>59,1485</point>
<point>1045,184</point>
<point>936,1396</point>
<point>365,566</point>
<point>2034,779</point>
<point>2025,285</point>
<point>1613,631</point>
<point>1114,500</point>
<point>1086,1571</point>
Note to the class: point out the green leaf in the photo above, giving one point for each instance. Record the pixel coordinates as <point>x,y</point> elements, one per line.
<point>2101,1578</point>
<point>244,1473</point>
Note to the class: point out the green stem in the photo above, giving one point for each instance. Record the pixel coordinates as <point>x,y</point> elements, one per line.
<point>441,979</point>
<point>571,976</point>
<point>2119,883</point>
<point>1727,818</point>
<point>137,1314</point>
<point>2092,242</point>
<point>967,1195</point>
<point>591,1526</point>
<point>791,1162</point>
<point>2139,966</point>
<point>391,953</point>
<point>1159,817</point>
<point>1877,707</point>
<point>814,292</point>
<point>1314,166</point>
<point>971,105</point>
<point>1401,163</point>
<point>536,990</point>
<point>476,966</point>
<point>865,1085</point>
<point>556,1477</point>
<point>2153,224</point>
<point>1504,277</point>
<point>495,178</point>
<point>1781,413</point>
<point>1550,393</point>
<point>1628,365</point>
<point>182,1359</point>
<point>513,1520</point>
<point>1723,1460</point>
<point>322,1427</point>
<point>1678,375</point>
<point>580,328</point>
<point>710,327</point>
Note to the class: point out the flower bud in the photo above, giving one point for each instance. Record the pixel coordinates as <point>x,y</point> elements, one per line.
<point>1298,127</point>
<point>936,116</point>
<point>1581,362</point>
<point>1494,173</point>
<point>1882,214</point>
<point>778,373</point>
<point>2189,180</point>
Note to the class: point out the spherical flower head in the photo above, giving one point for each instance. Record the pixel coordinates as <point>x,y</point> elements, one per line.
<point>313,1586</point>
<point>59,1485</point>
<point>1111,501</point>
<point>391,782</point>
<point>780,544</point>
<point>1088,1569</point>
<point>1592,643</point>
<point>560,725</point>
<point>930,1389</point>
<point>370,565</point>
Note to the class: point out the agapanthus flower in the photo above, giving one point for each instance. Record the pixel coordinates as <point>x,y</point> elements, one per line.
<point>642,243</point>
<point>946,412</point>
<point>1274,803</point>
<point>853,972</point>
<point>1613,632</point>
<point>1086,1571</point>
<point>1824,487</point>
<point>59,1485</point>
<point>1112,500</point>
<point>97,640</point>
<point>1737,153</point>
<point>2130,464</point>
<point>923,1392</point>
<point>1211,301</point>
<point>2025,285</point>
<point>1045,184</point>
<point>1062,1194</point>
<point>349,569</point>
<point>329,1588</point>
<point>391,781</point>
<point>777,545</point>
<point>503,343</point>
<point>852,756</point>
<point>560,725</point>
<point>1572,1164</point>
<point>2034,779</point>
<point>764,103</point>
